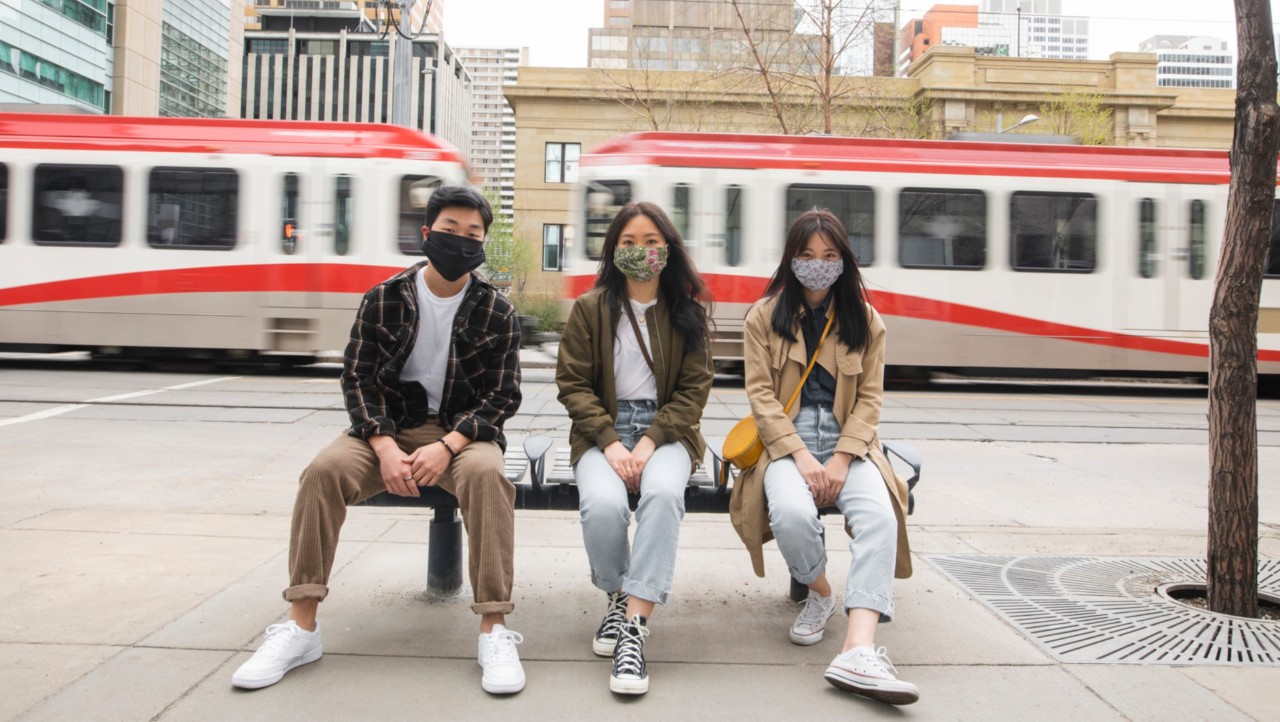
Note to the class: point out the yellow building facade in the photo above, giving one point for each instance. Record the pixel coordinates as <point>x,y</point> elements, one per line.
<point>563,113</point>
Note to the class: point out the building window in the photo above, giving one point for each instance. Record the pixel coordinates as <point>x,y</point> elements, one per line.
<point>1197,248</point>
<point>77,205</point>
<point>415,192</point>
<point>942,228</point>
<point>193,78</point>
<point>1148,257</point>
<point>90,13</point>
<point>855,206</point>
<point>343,205</point>
<point>602,201</point>
<point>192,208</point>
<point>552,242</point>
<point>1054,231</point>
<point>562,162</point>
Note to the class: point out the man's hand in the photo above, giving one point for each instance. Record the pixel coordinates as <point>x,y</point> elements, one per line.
<point>393,466</point>
<point>429,463</point>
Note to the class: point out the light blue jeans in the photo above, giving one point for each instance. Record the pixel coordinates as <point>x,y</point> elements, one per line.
<point>866,506</point>
<point>647,570</point>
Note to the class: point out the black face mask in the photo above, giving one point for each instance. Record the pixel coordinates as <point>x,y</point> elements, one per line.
<point>452,256</point>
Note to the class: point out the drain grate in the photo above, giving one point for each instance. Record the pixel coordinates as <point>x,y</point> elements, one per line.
<point>1108,610</point>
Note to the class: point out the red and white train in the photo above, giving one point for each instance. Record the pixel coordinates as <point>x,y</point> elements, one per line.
<point>979,255</point>
<point>203,236</point>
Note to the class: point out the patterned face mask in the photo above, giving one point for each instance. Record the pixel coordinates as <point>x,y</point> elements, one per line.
<point>640,263</point>
<point>817,274</point>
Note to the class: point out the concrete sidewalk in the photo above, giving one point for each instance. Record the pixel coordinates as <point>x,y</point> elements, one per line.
<point>142,562</point>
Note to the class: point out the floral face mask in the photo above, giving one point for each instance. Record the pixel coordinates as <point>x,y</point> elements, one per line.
<point>640,263</point>
<point>817,274</point>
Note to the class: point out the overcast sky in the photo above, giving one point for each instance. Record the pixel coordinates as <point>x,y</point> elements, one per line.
<point>555,31</point>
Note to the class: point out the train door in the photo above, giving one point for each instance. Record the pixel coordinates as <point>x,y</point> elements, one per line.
<point>1198,232</point>
<point>293,256</point>
<point>1147,252</point>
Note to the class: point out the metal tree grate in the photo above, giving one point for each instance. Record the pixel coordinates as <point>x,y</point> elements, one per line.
<point>1109,610</point>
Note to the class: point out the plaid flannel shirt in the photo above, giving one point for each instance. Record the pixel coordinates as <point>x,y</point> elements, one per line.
<point>482,383</point>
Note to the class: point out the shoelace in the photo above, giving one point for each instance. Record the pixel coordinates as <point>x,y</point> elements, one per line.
<point>278,637</point>
<point>812,613</point>
<point>880,659</point>
<point>629,659</point>
<point>503,649</point>
<point>616,616</point>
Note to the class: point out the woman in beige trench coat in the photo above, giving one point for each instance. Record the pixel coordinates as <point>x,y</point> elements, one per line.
<point>826,451</point>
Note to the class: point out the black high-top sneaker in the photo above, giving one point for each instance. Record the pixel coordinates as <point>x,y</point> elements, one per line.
<point>614,617</point>
<point>629,674</point>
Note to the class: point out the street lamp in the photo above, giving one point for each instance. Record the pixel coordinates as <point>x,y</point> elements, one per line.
<point>1030,118</point>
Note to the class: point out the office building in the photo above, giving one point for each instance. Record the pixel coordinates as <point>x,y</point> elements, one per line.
<point>1184,61</point>
<point>493,124</point>
<point>373,10</point>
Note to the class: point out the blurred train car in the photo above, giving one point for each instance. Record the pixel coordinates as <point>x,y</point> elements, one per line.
<point>1002,257</point>
<point>203,237</point>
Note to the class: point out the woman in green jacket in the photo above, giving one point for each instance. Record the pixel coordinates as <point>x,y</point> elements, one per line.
<point>634,372</point>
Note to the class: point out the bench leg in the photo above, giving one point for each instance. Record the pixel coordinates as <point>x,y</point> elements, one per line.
<point>799,592</point>
<point>444,553</point>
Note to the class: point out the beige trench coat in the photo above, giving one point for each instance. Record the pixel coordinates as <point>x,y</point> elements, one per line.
<point>773,369</point>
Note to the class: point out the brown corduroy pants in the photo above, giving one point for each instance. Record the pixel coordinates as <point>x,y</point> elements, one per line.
<point>347,472</point>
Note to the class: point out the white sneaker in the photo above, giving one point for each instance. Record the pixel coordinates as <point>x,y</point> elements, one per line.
<point>812,622</point>
<point>866,671</point>
<point>285,647</point>
<point>500,662</point>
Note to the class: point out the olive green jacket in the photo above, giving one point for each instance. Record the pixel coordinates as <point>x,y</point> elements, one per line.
<point>585,375</point>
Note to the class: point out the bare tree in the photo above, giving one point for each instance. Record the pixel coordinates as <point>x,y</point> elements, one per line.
<point>1080,114</point>
<point>1233,321</point>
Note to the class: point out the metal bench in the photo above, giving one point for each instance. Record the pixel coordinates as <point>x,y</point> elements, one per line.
<point>553,488</point>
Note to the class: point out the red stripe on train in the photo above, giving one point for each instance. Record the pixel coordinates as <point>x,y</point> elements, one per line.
<point>747,289</point>
<point>256,278</point>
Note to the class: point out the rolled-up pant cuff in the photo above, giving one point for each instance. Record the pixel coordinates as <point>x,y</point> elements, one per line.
<point>867,600</point>
<point>493,607</point>
<point>812,575</point>
<point>299,592</point>
<point>608,586</point>
<point>645,591</point>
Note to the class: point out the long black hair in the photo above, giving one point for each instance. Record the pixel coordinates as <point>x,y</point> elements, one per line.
<point>849,295</point>
<point>679,283</point>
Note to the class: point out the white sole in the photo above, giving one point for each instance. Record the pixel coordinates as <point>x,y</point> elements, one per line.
<point>509,688</point>
<point>866,687</point>
<point>805,641</point>
<point>243,683</point>
<point>602,649</point>
<point>629,686</point>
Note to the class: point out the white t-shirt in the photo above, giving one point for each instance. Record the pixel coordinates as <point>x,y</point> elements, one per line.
<point>632,378</point>
<point>428,361</point>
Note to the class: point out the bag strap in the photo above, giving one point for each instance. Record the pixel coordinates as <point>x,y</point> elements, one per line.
<point>831,317</point>
<point>644,350</point>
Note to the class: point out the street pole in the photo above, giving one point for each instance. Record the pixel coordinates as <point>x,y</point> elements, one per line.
<point>1019,6</point>
<point>402,69</point>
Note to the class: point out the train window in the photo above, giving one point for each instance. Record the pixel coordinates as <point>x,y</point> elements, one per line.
<point>192,208</point>
<point>942,228</point>
<point>1148,256</point>
<point>602,201</point>
<point>289,221</point>
<point>342,211</point>
<point>415,192</point>
<point>733,225</point>
<point>1054,231</point>
<point>78,205</point>
<point>4,202</point>
<point>855,206</point>
<point>1196,242</point>
<point>682,208</point>
<point>1272,268</point>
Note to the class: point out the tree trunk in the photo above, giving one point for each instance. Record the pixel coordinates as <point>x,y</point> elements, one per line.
<point>1233,321</point>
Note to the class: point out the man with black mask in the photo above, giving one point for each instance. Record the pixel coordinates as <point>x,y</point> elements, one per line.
<point>431,373</point>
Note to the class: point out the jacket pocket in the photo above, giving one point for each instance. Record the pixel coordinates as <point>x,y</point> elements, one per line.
<point>849,364</point>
